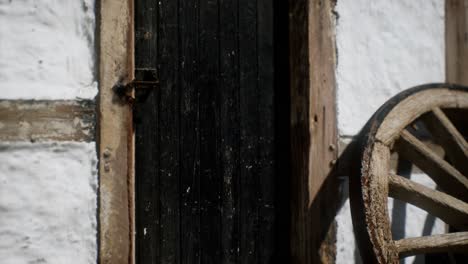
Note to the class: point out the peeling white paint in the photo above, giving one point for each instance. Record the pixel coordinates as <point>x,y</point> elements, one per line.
<point>384,47</point>
<point>48,203</point>
<point>47,49</point>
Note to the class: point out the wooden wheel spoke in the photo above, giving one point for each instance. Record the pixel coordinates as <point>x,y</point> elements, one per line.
<point>452,242</point>
<point>446,207</point>
<point>447,135</point>
<point>442,110</point>
<point>446,176</point>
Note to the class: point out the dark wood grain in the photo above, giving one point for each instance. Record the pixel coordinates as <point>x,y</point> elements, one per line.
<point>169,131</point>
<point>265,136</point>
<point>209,122</point>
<point>191,172</point>
<point>147,207</point>
<point>207,138</point>
<point>146,33</point>
<point>249,167</point>
<point>229,133</point>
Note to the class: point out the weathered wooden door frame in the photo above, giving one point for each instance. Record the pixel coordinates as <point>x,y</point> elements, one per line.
<point>311,86</point>
<point>313,131</point>
<point>311,67</point>
<point>115,134</point>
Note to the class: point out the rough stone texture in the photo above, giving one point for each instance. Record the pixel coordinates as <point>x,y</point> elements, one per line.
<point>47,49</point>
<point>48,203</point>
<point>384,47</point>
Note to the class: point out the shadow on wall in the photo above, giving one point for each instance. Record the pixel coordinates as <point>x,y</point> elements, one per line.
<point>398,210</point>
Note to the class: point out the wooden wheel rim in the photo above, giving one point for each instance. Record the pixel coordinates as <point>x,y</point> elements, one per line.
<point>369,181</point>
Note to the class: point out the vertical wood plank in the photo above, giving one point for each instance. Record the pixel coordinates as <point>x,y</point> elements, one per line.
<point>209,119</point>
<point>456,69</point>
<point>169,131</point>
<point>229,153</point>
<point>115,138</point>
<point>208,187</point>
<point>248,111</point>
<point>147,207</point>
<point>300,139</point>
<point>146,34</point>
<point>190,139</point>
<point>265,133</point>
<point>323,185</point>
<point>313,131</point>
<point>282,138</point>
<point>456,41</point>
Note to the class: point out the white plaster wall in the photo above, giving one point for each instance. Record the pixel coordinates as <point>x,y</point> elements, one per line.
<point>384,47</point>
<point>48,191</point>
<point>48,203</point>
<point>47,49</point>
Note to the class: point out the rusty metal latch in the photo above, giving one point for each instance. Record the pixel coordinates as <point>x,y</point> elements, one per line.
<point>127,91</point>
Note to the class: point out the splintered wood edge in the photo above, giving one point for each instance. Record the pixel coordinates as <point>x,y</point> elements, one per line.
<point>42,120</point>
<point>115,136</point>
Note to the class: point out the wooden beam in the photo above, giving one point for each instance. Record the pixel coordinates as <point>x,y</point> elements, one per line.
<point>313,131</point>
<point>30,120</point>
<point>456,41</point>
<point>115,26</point>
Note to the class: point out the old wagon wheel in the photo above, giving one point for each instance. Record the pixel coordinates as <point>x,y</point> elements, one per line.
<point>391,130</point>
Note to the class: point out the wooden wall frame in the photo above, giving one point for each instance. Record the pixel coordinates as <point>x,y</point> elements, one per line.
<point>456,41</point>
<point>74,120</point>
<point>47,120</point>
<point>115,132</point>
<point>313,123</point>
<point>313,131</point>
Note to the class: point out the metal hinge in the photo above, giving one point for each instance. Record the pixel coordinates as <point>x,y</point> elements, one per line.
<point>146,81</point>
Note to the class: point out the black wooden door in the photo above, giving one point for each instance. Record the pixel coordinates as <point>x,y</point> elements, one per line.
<point>211,141</point>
